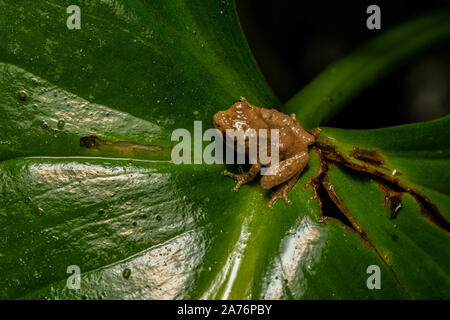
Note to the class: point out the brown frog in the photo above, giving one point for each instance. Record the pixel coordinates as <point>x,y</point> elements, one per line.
<point>293,145</point>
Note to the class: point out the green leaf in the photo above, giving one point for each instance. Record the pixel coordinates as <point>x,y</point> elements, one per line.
<point>343,80</point>
<point>414,156</point>
<point>414,249</point>
<point>177,239</point>
<point>151,66</point>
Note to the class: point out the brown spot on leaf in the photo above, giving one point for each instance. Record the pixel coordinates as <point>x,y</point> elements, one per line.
<point>392,197</point>
<point>90,142</point>
<point>370,156</point>
<point>430,213</point>
<point>125,147</point>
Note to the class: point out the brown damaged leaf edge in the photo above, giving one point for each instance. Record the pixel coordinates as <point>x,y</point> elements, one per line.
<point>124,147</point>
<point>356,226</point>
<point>340,204</point>
<point>329,152</point>
<point>316,184</point>
<point>391,196</point>
<point>370,156</point>
<point>322,179</point>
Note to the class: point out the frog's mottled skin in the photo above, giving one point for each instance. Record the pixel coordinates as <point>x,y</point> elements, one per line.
<point>293,145</point>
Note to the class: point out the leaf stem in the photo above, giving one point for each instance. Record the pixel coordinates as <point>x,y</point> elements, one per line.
<point>342,81</point>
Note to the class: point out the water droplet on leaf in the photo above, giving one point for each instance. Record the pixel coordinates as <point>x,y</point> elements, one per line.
<point>126,273</point>
<point>22,95</point>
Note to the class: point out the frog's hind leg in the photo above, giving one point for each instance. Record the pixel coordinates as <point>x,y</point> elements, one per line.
<point>280,173</point>
<point>244,178</point>
<point>283,190</point>
<point>285,175</point>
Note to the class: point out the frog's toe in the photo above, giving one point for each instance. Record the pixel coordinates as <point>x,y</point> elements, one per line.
<point>286,198</point>
<point>285,192</point>
<point>271,202</point>
<point>239,178</point>
<point>238,185</point>
<point>277,195</point>
<point>281,193</point>
<point>229,174</point>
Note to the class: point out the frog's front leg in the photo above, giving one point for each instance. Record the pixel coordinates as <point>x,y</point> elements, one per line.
<point>244,178</point>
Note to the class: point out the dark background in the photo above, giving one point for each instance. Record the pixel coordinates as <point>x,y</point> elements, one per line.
<point>293,41</point>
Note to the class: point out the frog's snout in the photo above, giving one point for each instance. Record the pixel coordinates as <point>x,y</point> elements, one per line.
<point>221,121</point>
